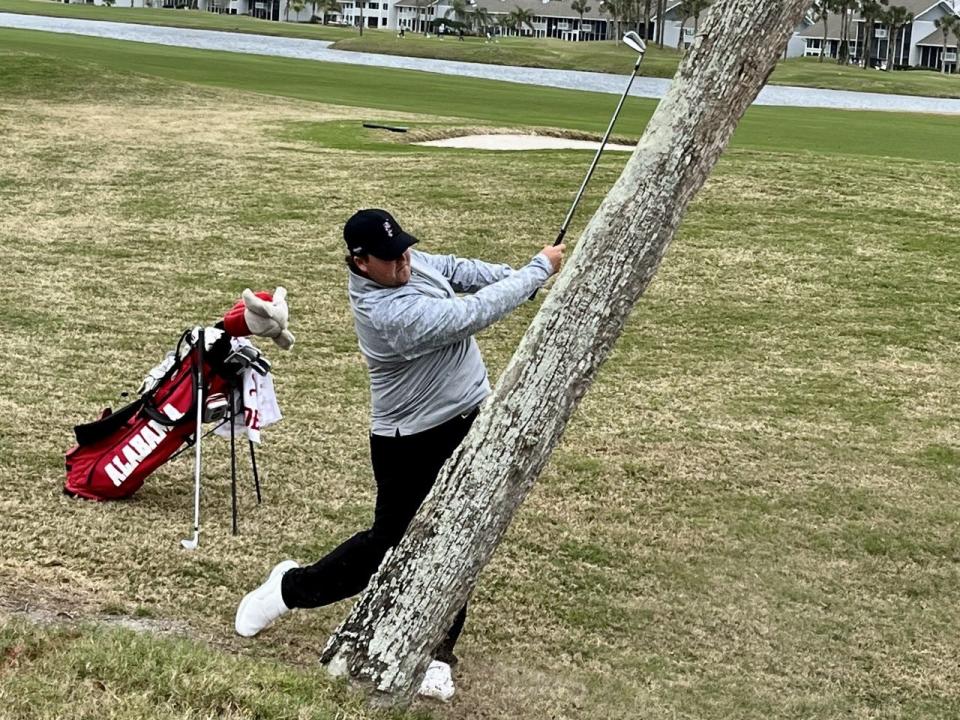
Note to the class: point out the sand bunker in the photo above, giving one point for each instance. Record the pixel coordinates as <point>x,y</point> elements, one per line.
<point>521,142</point>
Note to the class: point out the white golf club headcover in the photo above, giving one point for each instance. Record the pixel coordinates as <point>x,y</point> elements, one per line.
<point>268,318</point>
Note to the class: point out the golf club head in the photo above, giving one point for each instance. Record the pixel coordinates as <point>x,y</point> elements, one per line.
<point>191,544</point>
<point>632,40</point>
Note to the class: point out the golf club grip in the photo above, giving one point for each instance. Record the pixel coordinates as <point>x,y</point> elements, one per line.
<point>560,235</point>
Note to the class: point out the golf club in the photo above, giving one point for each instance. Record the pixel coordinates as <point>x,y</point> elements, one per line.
<point>192,544</point>
<point>233,460</point>
<point>633,41</point>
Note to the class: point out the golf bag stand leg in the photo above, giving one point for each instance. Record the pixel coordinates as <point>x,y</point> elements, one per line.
<point>192,544</point>
<point>256,476</point>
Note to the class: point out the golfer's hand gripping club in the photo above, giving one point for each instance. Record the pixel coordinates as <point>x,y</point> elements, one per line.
<point>554,253</point>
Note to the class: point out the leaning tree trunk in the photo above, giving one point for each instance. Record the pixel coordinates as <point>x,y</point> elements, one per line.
<point>386,642</point>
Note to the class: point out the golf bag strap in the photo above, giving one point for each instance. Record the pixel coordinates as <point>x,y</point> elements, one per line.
<point>107,424</point>
<point>151,412</point>
<point>150,409</point>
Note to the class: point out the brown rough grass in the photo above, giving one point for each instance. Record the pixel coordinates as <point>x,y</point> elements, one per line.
<point>753,512</point>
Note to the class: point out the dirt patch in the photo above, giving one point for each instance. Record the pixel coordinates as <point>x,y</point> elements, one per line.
<point>44,608</point>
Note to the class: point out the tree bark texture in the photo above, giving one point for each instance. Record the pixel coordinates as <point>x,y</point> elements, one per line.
<point>386,642</point>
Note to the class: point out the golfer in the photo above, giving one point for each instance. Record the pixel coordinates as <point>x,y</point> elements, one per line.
<point>427,381</point>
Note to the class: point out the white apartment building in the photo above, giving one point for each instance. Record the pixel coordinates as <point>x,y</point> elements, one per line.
<point>549,19</point>
<point>264,9</point>
<point>917,44</point>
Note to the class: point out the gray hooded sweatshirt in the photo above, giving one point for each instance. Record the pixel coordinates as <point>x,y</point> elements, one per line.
<point>425,367</point>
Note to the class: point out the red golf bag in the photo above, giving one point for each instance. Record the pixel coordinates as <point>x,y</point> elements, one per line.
<point>115,454</point>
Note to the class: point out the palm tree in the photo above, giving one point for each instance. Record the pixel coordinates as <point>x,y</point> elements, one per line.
<point>688,9</point>
<point>458,11</point>
<point>844,8</point>
<point>684,16</point>
<point>946,25</point>
<point>824,8</point>
<point>896,18</point>
<point>296,6</point>
<point>481,19</point>
<point>661,11</point>
<point>580,7</point>
<point>956,34</point>
<point>617,10</point>
<point>360,4</point>
<point>871,11</point>
<point>325,6</point>
<point>333,6</point>
<point>698,7</point>
<point>418,24</point>
<point>634,14</point>
<point>518,18</point>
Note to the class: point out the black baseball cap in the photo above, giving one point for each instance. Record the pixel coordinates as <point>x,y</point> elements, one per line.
<point>375,232</point>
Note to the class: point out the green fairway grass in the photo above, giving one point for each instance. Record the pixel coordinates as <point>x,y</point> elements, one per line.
<point>751,515</point>
<point>810,72</point>
<point>605,56</point>
<point>880,134</point>
<point>600,56</point>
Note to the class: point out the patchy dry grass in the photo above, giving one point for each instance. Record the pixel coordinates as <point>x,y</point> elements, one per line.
<point>752,514</point>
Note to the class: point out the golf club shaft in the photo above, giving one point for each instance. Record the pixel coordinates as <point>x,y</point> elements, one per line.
<point>233,457</point>
<point>596,158</point>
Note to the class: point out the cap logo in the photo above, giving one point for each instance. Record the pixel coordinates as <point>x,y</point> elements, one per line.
<point>357,250</point>
<point>387,228</point>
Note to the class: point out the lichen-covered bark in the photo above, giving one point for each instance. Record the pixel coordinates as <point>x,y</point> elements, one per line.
<point>385,643</point>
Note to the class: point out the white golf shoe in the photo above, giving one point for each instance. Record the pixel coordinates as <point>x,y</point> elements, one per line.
<point>260,607</point>
<point>438,682</point>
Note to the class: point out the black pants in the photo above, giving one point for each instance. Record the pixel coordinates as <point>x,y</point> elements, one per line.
<point>405,468</point>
